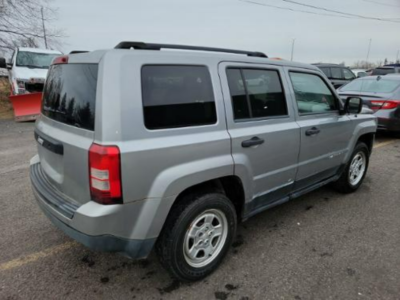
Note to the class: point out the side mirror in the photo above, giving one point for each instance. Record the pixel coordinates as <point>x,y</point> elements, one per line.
<point>3,64</point>
<point>354,105</point>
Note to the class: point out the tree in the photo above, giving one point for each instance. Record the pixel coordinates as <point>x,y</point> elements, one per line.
<point>21,24</point>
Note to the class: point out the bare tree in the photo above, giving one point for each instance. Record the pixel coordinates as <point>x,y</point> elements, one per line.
<point>21,24</point>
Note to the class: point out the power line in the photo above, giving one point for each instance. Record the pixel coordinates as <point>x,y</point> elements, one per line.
<point>295,10</point>
<point>339,12</point>
<point>308,12</point>
<point>380,3</point>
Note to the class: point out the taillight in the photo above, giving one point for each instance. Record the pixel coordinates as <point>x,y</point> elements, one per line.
<point>385,104</point>
<point>60,60</point>
<point>105,174</point>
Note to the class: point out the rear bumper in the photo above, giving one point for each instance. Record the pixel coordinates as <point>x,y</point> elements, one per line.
<point>135,249</point>
<point>100,228</point>
<point>388,120</point>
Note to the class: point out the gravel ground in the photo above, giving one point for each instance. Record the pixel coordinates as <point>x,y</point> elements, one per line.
<point>322,246</point>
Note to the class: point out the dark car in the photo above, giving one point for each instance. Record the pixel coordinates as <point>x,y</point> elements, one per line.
<point>387,69</point>
<point>381,94</point>
<point>337,74</point>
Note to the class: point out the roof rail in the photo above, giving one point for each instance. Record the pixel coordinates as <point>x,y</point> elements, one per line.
<point>146,46</point>
<point>78,51</point>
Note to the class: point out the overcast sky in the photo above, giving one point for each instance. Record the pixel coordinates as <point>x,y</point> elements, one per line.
<point>99,24</point>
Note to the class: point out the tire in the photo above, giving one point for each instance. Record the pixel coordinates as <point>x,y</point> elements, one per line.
<point>174,243</point>
<point>350,182</point>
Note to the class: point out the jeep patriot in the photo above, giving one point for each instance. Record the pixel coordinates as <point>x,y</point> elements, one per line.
<point>169,147</point>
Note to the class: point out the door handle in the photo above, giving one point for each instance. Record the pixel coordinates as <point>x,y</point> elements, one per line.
<point>254,141</point>
<point>312,131</point>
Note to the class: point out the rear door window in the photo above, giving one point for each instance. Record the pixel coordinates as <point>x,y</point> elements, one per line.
<point>336,73</point>
<point>327,72</point>
<point>256,93</point>
<point>70,94</point>
<point>177,96</point>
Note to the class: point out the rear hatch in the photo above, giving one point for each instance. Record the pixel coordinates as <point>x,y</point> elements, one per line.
<point>65,130</point>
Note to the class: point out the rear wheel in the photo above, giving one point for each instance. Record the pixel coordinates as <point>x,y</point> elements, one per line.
<point>355,171</point>
<point>197,235</point>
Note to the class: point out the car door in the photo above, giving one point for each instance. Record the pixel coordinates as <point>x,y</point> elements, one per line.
<point>324,131</point>
<point>265,137</point>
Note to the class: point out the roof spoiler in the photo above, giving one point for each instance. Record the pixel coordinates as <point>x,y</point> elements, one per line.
<point>146,46</point>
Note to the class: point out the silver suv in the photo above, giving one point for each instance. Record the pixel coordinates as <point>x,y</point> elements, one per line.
<point>142,148</point>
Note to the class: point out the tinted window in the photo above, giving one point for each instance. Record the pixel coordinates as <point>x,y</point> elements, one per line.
<point>312,94</point>
<point>177,96</point>
<point>336,73</point>
<point>70,94</point>
<point>348,74</point>
<point>260,96</point>
<point>327,72</point>
<point>383,71</point>
<point>383,85</point>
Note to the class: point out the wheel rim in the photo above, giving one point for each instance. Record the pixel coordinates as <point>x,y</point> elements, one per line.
<point>357,168</point>
<point>205,238</point>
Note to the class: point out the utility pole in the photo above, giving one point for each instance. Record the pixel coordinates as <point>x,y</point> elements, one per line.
<point>44,29</point>
<point>369,48</point>
<point>291,57</point>
<point>397,58</point>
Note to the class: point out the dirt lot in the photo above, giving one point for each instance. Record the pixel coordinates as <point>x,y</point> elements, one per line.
<point>6,111</point>
<point>322,246</point>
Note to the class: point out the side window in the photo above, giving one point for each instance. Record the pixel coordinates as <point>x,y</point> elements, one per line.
<point>177,96</point>
<point>327,72</point>
<point>336,73</point>
<point>312,94</point>
<point>348,74</point>
<point>256,93</point>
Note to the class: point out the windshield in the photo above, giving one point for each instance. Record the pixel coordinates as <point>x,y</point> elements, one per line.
<point>373,85</point>
<point>35,60</point>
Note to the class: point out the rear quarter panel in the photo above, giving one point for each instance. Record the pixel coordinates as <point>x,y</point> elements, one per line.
<point>157,163</point>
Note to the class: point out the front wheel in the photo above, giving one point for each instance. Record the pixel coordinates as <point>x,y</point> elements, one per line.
<point>197,236</point>
<point>355,171</point>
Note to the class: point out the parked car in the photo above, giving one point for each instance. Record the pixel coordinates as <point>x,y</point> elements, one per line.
<point>337,74</point>
<point>140,147</point>
<point>381,94</point>
<point>387,69</point>
<point>360,72</point>
<point>28,69</point>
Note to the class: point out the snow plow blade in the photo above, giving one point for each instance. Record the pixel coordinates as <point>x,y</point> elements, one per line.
<point>26,107</point>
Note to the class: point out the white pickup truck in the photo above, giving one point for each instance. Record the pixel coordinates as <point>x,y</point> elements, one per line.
<point>28,69</point>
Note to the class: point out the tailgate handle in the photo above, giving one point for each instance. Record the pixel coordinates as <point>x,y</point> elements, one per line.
<point>50,144</point>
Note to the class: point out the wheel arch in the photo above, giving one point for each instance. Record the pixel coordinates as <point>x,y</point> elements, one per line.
<point>231,186</point>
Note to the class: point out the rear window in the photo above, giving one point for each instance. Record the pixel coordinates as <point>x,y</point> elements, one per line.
<point>382,71</point>
<point>177,96</point>
<point>383,85</point>
<point>70,94</point>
